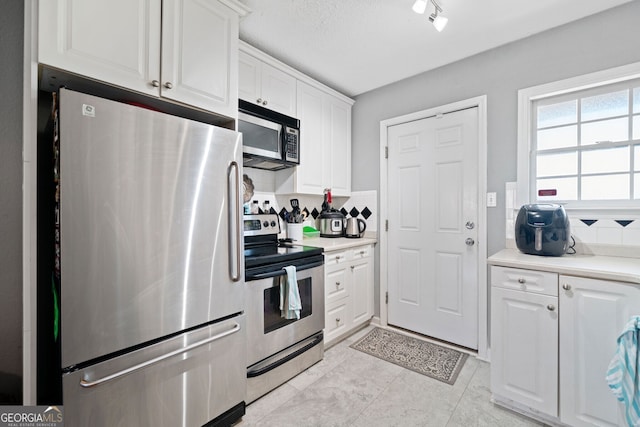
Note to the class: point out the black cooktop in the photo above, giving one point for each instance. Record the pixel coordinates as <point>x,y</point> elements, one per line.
<point>271,254</point>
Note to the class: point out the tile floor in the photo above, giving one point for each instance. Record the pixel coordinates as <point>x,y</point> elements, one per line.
<point>351,388</point>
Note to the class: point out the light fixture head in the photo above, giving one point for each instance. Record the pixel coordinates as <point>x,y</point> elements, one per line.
<point>420,6</point>
<point>439,21</point>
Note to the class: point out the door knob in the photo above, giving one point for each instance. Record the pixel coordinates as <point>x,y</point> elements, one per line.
<point>469,241</point>
<point>470,225</point>
<point>168,85</point>
<point>155,83</point>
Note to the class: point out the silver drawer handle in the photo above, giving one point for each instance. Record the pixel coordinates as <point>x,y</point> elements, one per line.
<point>361,252</point>
<point>337,320</point>
<point>566,287</point>
<point>337,284</point>
<point>521,280</point>
<point>337,257</point>
<point>87,384</point>
<point>551,307</point>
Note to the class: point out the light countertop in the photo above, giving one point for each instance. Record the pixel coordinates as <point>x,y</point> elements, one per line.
<point>330,244</point>
<point>593,266</point>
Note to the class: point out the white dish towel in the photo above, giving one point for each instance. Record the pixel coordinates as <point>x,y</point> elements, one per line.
<point>290,304</point>
<point>623,375</point>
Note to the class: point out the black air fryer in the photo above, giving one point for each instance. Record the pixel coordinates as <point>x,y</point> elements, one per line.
<point>542,230</point>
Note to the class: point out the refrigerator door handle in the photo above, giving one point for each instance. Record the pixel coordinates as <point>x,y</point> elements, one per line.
<point>235,231</point>
<point>87,384</point>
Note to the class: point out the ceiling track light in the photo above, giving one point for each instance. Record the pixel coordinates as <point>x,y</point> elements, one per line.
<point>439,21</point>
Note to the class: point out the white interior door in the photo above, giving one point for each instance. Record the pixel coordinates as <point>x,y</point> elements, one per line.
<point>433,214</point>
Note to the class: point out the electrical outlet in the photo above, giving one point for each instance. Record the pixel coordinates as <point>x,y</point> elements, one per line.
<point>492,200</point>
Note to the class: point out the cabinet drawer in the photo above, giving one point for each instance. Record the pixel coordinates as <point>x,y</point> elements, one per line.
<point>362,252</point>
<point>333,258</point>
<point>538,282</point>
<point>335,285</point>
<point>336,320</point>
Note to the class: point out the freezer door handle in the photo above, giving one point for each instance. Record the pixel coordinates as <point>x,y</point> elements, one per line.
<point>88,384</point>
<point>235,229</point>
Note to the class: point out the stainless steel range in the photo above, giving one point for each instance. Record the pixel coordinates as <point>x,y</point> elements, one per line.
<point>278,348</point>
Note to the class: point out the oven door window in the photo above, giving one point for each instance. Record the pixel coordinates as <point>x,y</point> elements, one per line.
<point>272,316</point>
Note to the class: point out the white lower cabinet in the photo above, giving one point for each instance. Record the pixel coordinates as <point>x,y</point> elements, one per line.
<point>594,312</point>
<point>348,290</point>
<point>552,338</point>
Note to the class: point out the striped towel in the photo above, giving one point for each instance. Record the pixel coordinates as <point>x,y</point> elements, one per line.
<point>623,375</point>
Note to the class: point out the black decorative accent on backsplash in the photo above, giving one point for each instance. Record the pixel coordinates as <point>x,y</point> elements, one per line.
<point>366,213</point>
<point>624,222</point>
<point>314,213</point>
<point>282,213</point>
<point>354,212</point>
<point>305,211</point>
<point>589,222</point>
<point>344,211</point>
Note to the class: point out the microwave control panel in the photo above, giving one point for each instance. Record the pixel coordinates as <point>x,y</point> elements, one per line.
<point>291,145</point>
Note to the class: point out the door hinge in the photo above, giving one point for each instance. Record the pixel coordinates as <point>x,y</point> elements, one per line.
<point>386,152</point>
<point>386,297</point>
<point>386,225</point>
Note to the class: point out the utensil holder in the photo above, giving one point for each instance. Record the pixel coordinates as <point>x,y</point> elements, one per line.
<point>294,231</point>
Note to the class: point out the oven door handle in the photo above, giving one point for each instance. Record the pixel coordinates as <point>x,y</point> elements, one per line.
<point>264,369</point>
<point>282,272</point>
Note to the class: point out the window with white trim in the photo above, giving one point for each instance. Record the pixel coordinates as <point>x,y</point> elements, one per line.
<point>584,144</point>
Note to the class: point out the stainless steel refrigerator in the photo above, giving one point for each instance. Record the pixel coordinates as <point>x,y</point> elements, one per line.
<point>151,267</point>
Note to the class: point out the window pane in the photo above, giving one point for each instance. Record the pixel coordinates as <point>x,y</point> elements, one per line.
<point>636,160</point>
<point>566,136</point>
<point>606,161</point>
<point>605,187</point>
<point>636,100</point>
<point>557,164</point>
<point>606,130</point>
<point>636,186</point>
<point>561,113</point>
<point>636,127</point>
<point>605,105</point>
<point>566,188</point>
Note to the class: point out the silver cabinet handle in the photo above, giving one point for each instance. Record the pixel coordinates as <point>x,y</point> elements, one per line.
<point>337,257</point>
<point>352,267</point>
<point>361,252</point>
<point>168,85</point>
<point>337,320</point>
<point>87,384</point>
<point>566,286</point>
<point>521,280</point>
<point>235,229</point>
<point>264,102</point>
<point>337,284</point>
<point>155,83</point>
<point>469,241</point>
<point>551,307</point>
<point>469,225</point>
<point>259,100</point>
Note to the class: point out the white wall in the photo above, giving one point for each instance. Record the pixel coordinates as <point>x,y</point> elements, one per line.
<point>598,42</point>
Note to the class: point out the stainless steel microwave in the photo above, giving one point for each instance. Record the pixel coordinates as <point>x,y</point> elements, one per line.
<point>270,140</point>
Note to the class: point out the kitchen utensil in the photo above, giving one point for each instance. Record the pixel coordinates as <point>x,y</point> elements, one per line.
<point>355,228</point>
<point>542,229</point>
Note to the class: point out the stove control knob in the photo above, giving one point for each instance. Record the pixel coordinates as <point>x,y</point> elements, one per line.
<point>266,224</point>
<point>273,223</point>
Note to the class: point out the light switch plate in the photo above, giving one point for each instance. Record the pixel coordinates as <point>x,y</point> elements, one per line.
<point>492,200</point>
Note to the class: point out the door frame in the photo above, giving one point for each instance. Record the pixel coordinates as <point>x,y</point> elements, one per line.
<point>483,302</point>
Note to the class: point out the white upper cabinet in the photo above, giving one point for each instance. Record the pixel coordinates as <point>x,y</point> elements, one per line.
<point>266,86</point>
<point>325,145</point>
<point>184,50</point>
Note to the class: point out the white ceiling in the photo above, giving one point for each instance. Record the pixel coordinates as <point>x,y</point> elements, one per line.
<point>358,45</point>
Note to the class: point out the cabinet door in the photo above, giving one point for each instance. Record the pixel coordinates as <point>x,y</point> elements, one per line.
<point>524,348</point>
<point>278,91</point>
<point>310,175</point>
<point>594,312</point>
<point>199,54</point>
<point>339,143</point>
<point>249,78</point>
<point>362,290</point>
<point>113,41</point>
